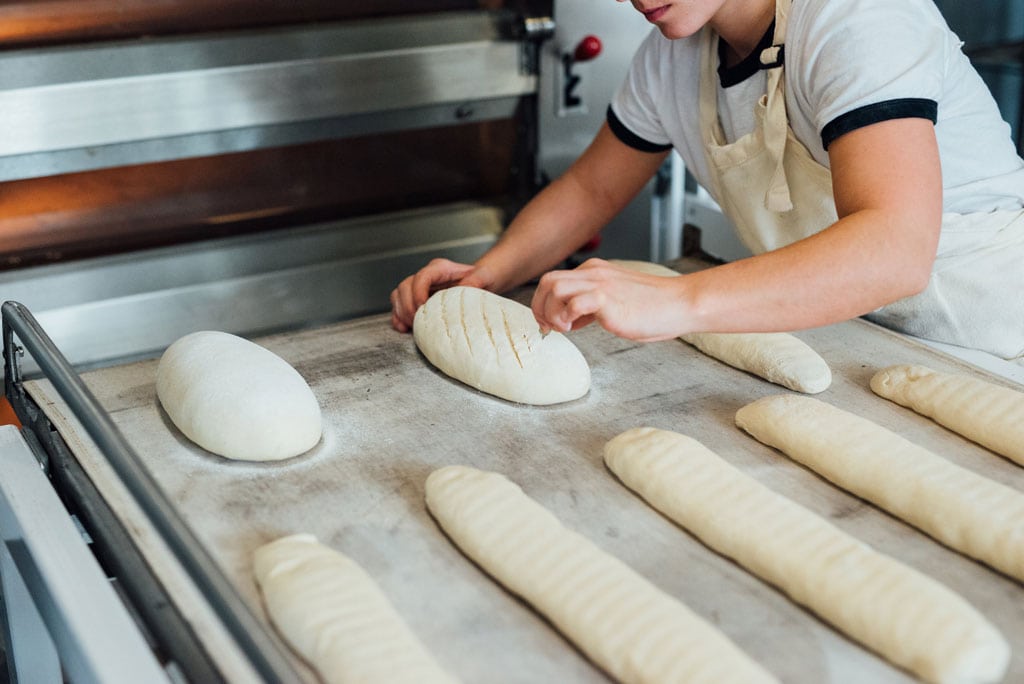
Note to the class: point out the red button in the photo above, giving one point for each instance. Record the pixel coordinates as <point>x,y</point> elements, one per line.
<point>587,49</point>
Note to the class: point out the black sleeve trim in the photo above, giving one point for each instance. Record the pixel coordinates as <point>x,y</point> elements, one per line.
<point>907,108</point>
<point>630,138</point>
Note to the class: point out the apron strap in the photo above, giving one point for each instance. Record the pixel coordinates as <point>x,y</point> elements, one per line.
<point>776,130</point>
<point>776,125</point>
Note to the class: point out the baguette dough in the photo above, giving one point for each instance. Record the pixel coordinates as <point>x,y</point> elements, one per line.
<point>236,398</point>
<point>495,345</point>
<point>896,611</point>
<point>633,630</point>
<point>972,514</point>
<point>333,614</point>
<point>989,414</point>
<point>780,358</point>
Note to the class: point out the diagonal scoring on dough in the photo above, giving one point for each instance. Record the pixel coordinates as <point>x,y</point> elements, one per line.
<point>494,344</point>
<point>334,615</point>
<point>511,339</point>
<point>898,612</point>
<point>625,624</point>
<point>984,412</point>
<point>780,358</point>
<point>974,515</point>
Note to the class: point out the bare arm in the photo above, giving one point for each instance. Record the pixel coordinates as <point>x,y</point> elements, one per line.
<point>555,223</point>
<point>888,192</point>
<point>570,211</point>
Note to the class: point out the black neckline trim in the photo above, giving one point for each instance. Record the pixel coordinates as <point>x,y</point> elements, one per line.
<point>749,65</point>
<point>905,108</point>
<point>630,138</point>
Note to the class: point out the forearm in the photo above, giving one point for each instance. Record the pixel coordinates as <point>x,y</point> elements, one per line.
<point>560,219</point>
<point>888,190</point>
<point>863,262</point>
<point>569,211</point>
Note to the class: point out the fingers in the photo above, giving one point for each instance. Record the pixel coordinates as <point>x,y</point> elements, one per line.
<point>398,321</point>
<point>402,306</point>
<point>626,303</point>
<point>567,300</point>
<point>412,292</point>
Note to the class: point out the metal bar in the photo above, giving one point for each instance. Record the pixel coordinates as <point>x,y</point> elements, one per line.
<point>245,285</point>
<point>75,617</point>
<point>262,651</point>
<point>102,95</point>
<point>31,654</point>
<point>114,548</point>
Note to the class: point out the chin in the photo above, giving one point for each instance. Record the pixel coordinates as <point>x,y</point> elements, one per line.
<point>674,32</point>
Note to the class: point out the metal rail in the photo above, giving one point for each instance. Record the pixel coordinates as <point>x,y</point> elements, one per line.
<point>258,646</point>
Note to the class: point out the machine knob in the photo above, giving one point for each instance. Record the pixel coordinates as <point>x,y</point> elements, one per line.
<point>587,49</point>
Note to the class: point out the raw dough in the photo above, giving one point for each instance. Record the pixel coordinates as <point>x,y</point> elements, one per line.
<point>989,414</point>
<point>494,344</point>
<point>236,398</point>
<point>976,516</point>
<point>780,358</point>
<point>867,595</point>
<point>333,614</point>
<point>632,629</point>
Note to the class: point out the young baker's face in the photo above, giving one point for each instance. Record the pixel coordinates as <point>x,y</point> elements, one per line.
<point>677,18</point>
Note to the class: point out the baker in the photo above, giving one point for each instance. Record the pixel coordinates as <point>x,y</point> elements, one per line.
<point>857,152</point>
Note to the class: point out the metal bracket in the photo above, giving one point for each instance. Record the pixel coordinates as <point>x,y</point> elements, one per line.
<point>52,615</point>
<point>260,648</point>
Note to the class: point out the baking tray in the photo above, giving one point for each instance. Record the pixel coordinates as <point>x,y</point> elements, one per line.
<point>390,419</point>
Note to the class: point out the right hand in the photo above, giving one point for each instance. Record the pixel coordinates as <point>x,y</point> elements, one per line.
<point>439,274</point>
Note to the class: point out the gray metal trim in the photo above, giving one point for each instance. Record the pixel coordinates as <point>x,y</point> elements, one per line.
<point>88,98</point>
<point>129,306</point>
<point>93,633</point>
<point>173,635</point>
<point>258,646</point>
<point>50,163</point>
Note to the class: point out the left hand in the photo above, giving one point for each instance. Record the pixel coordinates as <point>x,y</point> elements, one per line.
<point>634,305</point>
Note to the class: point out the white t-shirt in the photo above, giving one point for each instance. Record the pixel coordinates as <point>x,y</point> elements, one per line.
<point>848,64</point>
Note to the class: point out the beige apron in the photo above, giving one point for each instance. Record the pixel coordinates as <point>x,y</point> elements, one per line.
<point>775,193</point>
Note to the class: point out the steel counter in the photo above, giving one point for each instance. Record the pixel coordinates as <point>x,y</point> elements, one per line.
<point>390,419</point>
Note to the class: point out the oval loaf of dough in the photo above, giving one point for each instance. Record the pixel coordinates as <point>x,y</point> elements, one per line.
<point>236,398</point>
<point>333,613</point>
<point>780,358</point>
<point>494,344</point>
<point>901,613</point>
<point>986,413</point>
<point>623,622</point>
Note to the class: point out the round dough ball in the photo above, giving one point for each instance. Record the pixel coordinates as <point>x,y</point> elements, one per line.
<point>236,398</point>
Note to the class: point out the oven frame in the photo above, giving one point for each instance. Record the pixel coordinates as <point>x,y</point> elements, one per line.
<point>66,618</point>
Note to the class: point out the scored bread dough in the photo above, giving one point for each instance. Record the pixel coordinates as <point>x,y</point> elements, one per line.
<point>236,398</point>
<point>779,358</point>
<point>336,617</point>
<point>865,594</point>
<point>625,624</point>
<point>974,515</point>
<point>495,345</point>
<point>986,413</point>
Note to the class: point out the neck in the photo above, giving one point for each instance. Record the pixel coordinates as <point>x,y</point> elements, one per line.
<point>741,24</point>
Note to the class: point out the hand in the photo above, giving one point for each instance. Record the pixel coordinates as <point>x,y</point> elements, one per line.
<point>439,274</point>
<point>627,303</point>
